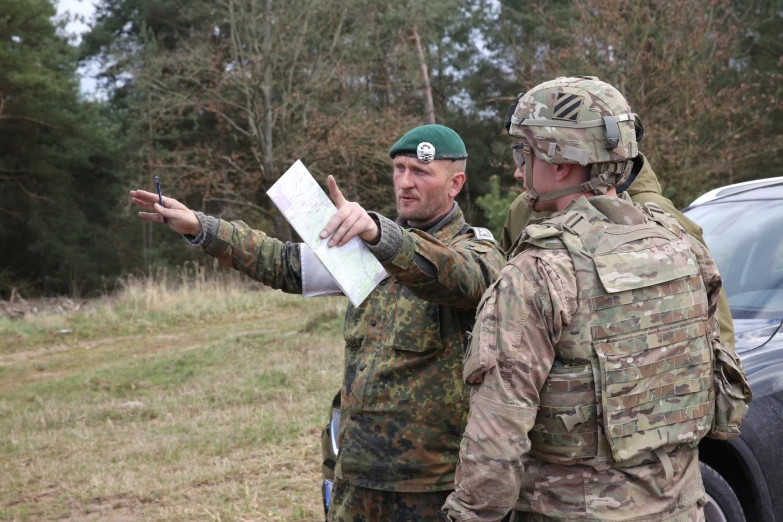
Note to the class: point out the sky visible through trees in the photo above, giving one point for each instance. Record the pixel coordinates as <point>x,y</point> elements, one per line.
<point>219,97</point>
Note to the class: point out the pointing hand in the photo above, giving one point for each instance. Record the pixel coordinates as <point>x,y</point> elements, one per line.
<point>349,221</point>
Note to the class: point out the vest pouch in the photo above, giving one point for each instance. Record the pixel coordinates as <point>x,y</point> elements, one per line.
<point>654,355</point>
<point>732,394</point>
<point>566,425</point>
<point>640,268</point>
<point>656,388</point>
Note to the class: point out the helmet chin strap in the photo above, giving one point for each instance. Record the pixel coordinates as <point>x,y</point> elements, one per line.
<point>599,182</point>
<point>531,197</point>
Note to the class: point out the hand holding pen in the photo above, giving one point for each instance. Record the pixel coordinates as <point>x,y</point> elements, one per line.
<point>166,210</point>
<point>160,195</point>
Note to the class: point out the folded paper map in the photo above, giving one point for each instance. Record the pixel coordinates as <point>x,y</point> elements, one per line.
<point>308,209</point>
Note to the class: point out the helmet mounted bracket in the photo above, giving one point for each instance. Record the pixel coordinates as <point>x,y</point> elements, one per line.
<point>510,116</point>
<point>612,132</point>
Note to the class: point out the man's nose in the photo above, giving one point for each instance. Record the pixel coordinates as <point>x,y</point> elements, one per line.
<point>519,174</point>
<point>406,180</point>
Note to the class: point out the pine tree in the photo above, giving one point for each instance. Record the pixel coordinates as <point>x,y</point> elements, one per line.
<point>57,186</point>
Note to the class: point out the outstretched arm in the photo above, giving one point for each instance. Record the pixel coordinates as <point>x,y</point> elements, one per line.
<point>234,244</point>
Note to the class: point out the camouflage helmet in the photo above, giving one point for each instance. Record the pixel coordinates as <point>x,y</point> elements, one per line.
<point>579,120</point>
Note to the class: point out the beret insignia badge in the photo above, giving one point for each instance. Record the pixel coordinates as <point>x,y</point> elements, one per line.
<point>425,152</point>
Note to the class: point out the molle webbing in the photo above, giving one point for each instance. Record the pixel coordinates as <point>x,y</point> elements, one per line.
<point>633,368</point>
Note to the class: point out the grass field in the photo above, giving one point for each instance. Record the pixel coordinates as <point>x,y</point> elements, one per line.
<point>177,402</point>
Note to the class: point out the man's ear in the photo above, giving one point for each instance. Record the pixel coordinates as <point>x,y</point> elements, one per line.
<point>569,172</point>
<point>455,183</point>
<point>562,171</point>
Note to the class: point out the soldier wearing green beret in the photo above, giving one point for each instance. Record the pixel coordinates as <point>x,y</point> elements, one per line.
<point>403,403</point>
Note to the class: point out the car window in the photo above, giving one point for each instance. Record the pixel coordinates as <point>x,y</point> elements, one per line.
<point>746,240</point>
<point>778,265</point>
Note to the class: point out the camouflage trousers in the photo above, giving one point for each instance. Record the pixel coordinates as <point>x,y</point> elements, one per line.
<point>357,504</point>
<point>695,514</point>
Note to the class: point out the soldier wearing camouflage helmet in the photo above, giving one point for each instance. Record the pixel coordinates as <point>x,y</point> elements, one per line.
<point>642,186</point>
<point>580,121</point>
<point>403,404</point>
<point>595,359</point>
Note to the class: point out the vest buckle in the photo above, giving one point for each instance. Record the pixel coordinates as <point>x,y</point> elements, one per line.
<point>580,416</point>
<point>576,224</point>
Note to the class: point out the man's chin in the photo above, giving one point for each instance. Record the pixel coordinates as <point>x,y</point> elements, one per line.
<point>408,210</point>
<point>410,216</point>
<point>406,216</point>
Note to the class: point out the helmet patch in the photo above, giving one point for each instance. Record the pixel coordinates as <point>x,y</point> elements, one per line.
<point>567,106</point>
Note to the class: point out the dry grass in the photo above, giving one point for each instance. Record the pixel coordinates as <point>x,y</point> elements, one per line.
<point>197,401</point>
<point>195,293</point>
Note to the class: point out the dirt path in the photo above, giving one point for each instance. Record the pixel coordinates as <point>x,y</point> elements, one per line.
<point>27,355</point>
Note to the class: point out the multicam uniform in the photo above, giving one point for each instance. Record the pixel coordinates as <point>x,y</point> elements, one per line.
<point>644,188</point>
<point>403,401</point>
<point>594,350</point>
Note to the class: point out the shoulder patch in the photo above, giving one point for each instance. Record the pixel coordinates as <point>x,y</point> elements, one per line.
<point>482,233</point>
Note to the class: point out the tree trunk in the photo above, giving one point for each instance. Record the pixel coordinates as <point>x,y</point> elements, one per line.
<point>388,84</point>
<point>353,191</point>
<point>281,228</point>
<point>148,230</point>
<point>429,107</point>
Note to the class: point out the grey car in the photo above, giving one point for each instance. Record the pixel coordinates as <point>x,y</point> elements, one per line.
<point>743,227</point>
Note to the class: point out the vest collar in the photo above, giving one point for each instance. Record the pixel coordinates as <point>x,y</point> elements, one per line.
<point>619,210</point>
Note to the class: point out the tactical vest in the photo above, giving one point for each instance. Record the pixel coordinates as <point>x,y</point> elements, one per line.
<point>632,377</point>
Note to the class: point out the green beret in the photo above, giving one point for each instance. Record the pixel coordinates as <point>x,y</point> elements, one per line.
<point>430,142</point>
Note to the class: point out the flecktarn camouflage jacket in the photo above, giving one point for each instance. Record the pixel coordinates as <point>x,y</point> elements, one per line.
<point>404,404</point>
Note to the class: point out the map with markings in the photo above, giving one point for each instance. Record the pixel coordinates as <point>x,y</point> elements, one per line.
<point>308,209</point>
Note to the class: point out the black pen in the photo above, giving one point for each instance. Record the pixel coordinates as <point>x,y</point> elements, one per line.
<point>160,194</point>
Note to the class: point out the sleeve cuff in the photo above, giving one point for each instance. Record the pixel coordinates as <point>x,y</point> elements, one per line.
<point>208,233</point>
<point>390,240</point>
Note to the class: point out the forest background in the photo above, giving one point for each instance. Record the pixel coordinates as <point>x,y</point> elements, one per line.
<point>219,97</point>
